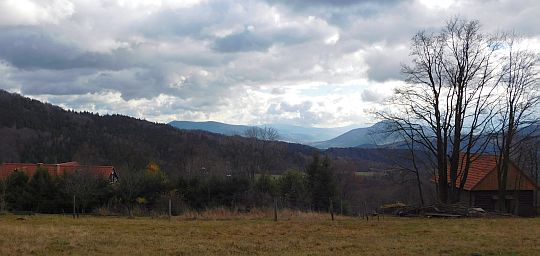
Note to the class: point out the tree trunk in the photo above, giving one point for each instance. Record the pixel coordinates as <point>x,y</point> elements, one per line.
<point>331,209</point>
<point>443,176</point>
<point>130,211</point>
<point>505,163</point>
<point>420,194</point>
<point>456,146</point>
<point>74,209</point>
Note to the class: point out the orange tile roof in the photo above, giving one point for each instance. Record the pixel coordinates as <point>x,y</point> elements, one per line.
<point>481,166</point>
<point>482,174</point>
<point>54,169</point>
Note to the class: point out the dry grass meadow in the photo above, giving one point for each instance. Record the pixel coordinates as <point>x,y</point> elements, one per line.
<point>219,233</point>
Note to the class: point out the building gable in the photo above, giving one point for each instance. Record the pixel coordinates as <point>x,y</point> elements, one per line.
<point>482,175</point>
<point>517,180</point>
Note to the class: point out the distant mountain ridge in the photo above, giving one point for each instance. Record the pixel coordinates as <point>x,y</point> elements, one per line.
<point>376,137</point>
<point>211,126</point>
<point>324,138</point>
<point>289,133</point>
<point>367,137</point>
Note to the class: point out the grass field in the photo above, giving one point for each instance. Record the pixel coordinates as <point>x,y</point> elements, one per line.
<point>296,234</point>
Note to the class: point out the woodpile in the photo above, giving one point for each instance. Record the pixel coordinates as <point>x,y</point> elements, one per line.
<point>440,211</point>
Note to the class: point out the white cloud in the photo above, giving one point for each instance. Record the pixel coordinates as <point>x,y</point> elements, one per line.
<point>441,4</point>
<point>29,12</point>
<point>239,62</point>
<point>332,40</point>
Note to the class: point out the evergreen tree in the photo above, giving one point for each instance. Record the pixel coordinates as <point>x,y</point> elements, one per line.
<point>265,184</point>
<point>293,187</point>
<point>3,191</point>
<point>17,196</point>
<point>321,183</point>
<point>43,192</point>
<point>265,189</point>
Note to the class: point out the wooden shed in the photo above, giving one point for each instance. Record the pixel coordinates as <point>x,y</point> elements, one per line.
<point>481,187</point>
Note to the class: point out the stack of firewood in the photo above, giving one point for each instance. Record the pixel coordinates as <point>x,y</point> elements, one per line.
<point>439,210</point>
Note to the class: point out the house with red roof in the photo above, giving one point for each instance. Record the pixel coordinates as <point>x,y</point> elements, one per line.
<point>58,169</point>
<point>481,186</point>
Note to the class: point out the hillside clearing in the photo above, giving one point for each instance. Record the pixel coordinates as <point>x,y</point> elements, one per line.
<point>299,235</point>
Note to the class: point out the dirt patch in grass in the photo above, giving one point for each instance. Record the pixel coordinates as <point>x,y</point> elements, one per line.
<point>296,234</point>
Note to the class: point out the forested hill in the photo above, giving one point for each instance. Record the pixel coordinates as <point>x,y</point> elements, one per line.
<point>32,131</point>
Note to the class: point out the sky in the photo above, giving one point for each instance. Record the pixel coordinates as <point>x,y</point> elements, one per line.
<point>320,63</point>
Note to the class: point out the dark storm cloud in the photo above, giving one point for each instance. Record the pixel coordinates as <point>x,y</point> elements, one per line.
<point>132,83</point>
<point>341,13</point>
<point>254,39</point>
<point>242,42</point>
<point>54,82</point>
<point>30,48</point>
<point>385,64</point>
<point>179,22</point>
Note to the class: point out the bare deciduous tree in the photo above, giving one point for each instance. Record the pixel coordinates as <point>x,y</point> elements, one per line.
<point>448,100</point>
<point>519,106</point>
<point>527,158</point>
<point>85,186</point>
<point>263,139</point>
<point>265,133</point>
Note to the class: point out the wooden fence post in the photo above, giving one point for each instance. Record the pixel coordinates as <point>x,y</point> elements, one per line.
<point>170,208</point>
<point>365,212</point>
<point>341,206</point>
<point>275,209</point>
<point>331,209</point>
<point>74,210</point>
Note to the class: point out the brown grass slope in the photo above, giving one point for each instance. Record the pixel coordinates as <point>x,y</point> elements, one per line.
<point>297,234</point>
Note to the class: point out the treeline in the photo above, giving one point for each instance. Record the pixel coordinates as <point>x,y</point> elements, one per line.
<point>149,190</point>
<point>34,132</point>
